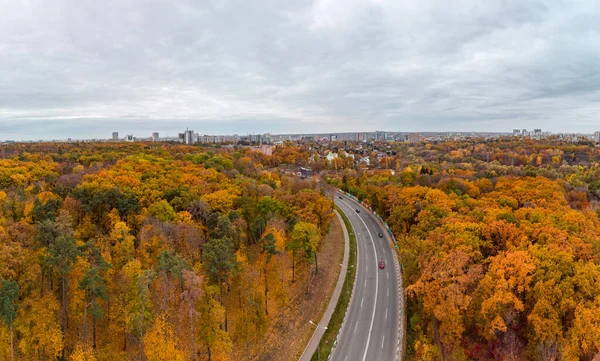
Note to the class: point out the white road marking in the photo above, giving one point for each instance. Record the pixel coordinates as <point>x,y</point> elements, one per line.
<point>388,275</point>
<point>388,292</point>
<point>361,301</point>
<point>376,287</point>
<point>365,283</point>
<point>386,313</point>
<point>382,341</point>
<point>355,326</point>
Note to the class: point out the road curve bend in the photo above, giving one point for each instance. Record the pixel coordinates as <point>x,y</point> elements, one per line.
<point>370,329</point>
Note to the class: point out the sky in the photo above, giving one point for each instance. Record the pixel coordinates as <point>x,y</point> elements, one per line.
<point>86,68</point>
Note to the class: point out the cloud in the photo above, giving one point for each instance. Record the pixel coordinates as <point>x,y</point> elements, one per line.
<point>85,68</point>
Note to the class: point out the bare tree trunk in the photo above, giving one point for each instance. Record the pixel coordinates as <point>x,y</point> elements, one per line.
<point>94,332</point>
<point>226,318</point>
<point>293,267</point>
<point>436,338</point>
<point>283,296</point>
<point>84,332</point>
<point>266,292</point>
<point>12,344</point>
<point>64,313</point>
<point>141,341</point>
<point>124,339</point>
<point>124,333</point>
<point>247,350</point>
<point>192,332</point>
<point>307,276</point>
<point>64,303</point>
<point>316,264</point>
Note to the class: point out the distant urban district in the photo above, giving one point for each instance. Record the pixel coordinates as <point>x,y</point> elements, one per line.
<point>192,137</point>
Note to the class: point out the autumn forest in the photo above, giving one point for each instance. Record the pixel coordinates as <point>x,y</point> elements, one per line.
<point>500,246</point>
<point>159,251</point>
<point>153,252</point>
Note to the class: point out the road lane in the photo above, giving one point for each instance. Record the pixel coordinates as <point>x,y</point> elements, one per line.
<point>370,331</point>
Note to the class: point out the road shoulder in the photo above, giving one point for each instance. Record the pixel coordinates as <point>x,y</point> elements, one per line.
<point>320,329</point>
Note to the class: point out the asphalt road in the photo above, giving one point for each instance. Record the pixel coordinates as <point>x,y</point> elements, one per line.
<point>370,330</point>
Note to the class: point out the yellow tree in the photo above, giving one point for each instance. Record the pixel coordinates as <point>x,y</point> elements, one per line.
<point>160,342</point>
<point>138,308</point>
<point>503,291</point>
<point>122,244</point>
<point>40,331</point>
<point>221,200</point>
<point>210,336</point>
<point>444,290</point>
<point>585,333</point>
<point>83,353</point>
<point>322,207</point>
<point>273,244</point>
<point>190,297</point>
<point>307,236</point>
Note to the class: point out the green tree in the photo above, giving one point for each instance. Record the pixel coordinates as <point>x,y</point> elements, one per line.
<point>170,269</point>
<point>269,207</point>
<point>220,262</point>
<point>269,250</point>
<point>219,259</point>
<point>138,307</point>
<point>47,211</point>
<point>172,264</point>
<point>163,211</point>
<point>9,292</point>
<point>94,286</point>
<point>63,253</point>
<point>293,245</point>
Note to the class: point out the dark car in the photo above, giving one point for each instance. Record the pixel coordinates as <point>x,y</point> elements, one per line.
<point>380,235</point>
<point>340,197</point>
<point>357,211</point>
<point>382,264</point>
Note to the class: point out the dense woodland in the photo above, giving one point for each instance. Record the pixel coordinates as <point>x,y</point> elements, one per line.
<point>500,246</point>
<point>151,251</point>
<point>161,251</point>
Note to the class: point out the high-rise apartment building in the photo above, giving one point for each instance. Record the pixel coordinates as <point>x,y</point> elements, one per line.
<point>597,136</point>
<point>115,136</point>
<point>155,137</point>
<point>267,138</point>
<point>414,138</point>
<point>189,136</point>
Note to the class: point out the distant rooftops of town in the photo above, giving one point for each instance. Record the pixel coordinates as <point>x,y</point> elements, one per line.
<point>191,137</point>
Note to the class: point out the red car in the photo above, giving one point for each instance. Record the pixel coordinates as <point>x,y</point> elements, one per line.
<point>381,264</point>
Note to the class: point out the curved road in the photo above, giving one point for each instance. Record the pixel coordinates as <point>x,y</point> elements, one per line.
<point>370,330</point>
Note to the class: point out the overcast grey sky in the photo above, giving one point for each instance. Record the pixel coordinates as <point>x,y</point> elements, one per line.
<point>85,68</point>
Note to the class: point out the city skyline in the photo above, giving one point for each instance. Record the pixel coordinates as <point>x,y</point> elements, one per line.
<point>104,130</point>
<point>190,136</point>
<point>79,69</point>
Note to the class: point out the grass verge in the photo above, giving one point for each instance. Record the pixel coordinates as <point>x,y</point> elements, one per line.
<point>337,318</point>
